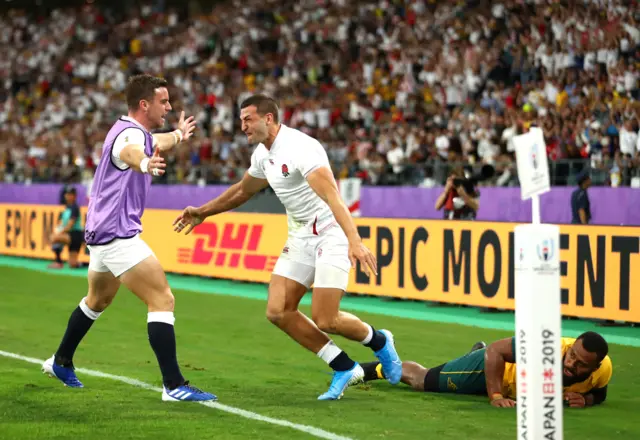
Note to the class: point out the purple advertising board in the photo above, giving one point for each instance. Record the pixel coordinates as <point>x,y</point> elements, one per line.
<point>609,206</point>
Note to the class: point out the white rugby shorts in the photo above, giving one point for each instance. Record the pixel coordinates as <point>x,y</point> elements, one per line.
<point>321,260</point>
<point>118,256</point>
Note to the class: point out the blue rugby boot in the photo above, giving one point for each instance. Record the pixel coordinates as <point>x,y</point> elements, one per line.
<point>186,393</point>
<point>388,357</point>
<point>341,381</point>
<point>66,375</point>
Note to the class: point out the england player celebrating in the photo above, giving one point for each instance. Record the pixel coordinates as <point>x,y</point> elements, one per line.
<point>323,243</point>
<point>118,255</point>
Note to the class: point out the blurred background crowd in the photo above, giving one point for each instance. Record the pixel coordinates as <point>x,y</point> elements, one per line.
<point>398,92</point>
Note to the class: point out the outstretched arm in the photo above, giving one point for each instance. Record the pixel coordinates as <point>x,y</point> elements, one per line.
<point>166,141</point>
<point>233,197</point>
<point>134,157</point>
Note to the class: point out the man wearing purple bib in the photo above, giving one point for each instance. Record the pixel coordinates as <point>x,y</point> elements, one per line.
<point>117,253</point>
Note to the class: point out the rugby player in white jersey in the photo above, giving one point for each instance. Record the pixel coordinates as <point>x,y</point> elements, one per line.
<point>322,247</point>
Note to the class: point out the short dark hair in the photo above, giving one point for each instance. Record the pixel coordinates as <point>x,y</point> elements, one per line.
<point>264,104</point>
<point>142,87</point>
<point>594,343</point>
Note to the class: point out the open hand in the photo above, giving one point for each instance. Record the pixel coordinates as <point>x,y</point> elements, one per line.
<point>156,164</point>
<point>361,253</point>
<point>186,126</point>
<point>190,218</point>
<point>503,403</point>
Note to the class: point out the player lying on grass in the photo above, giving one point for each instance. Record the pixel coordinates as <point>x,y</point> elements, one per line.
<point>491,371</point>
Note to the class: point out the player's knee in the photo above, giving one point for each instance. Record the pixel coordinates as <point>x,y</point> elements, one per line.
<point>275,315</point>
<point>163,302</point>
<point>326,323</point>
<point>168,300</point>
<point>96,303</point>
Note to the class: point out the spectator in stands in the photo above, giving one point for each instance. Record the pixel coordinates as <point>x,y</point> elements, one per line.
<point>428,85</point>
<point>629,141</point>
<point>460,199</point>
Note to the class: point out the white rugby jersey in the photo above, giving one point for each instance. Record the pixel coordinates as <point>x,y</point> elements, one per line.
<point>286,165</point>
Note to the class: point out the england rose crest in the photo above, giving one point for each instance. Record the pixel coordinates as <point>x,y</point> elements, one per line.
<point>285,170</point>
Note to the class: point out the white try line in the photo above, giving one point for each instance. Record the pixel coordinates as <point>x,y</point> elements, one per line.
<point>316,432</point>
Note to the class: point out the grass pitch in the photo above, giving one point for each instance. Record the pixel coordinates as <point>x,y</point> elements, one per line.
<point>226,346</point>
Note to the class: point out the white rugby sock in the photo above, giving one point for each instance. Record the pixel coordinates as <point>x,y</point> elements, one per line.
<point>367,339</point>
<point>166,317</point>
<point>329,352</point>
<point>91,314</point>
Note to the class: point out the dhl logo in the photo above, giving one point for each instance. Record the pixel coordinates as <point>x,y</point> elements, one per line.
<point>237,239</point>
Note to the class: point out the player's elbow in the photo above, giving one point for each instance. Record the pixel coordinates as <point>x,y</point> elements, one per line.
<point>492,356</point>
<point>132,157</point>
<point>501,350</point>
<point>126,154</point>
<point>249,186</point>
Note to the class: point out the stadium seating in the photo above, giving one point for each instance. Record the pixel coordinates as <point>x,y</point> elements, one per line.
<point>397,91</point>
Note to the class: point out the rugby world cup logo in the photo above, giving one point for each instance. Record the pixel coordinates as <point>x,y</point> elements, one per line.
<point>546,250</point>
<point>534,156</point>
<point>521,254</point>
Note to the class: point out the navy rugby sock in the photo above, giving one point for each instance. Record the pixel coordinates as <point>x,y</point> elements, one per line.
<point>162,338</point>
<point>81,320</point>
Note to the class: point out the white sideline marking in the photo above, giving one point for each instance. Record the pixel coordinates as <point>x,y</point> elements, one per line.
<point>317,432</point>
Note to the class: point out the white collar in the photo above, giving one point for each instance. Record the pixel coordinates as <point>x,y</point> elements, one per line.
<point>278,138</point>
<point>129,119</point>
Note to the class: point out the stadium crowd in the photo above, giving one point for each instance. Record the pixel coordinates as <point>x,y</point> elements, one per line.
<point>398,92</point>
